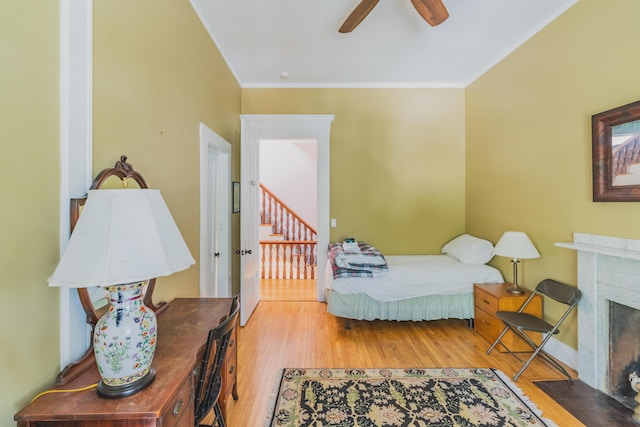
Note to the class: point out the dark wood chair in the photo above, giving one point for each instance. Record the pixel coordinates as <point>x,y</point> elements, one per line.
<point>209,377</point>
<point>520,322</point>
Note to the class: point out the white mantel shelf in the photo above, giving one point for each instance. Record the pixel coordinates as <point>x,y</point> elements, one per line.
<point>602,250</point>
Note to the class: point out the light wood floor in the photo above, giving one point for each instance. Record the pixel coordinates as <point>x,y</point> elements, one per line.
<point>288,290</point>
<point>296,334</point>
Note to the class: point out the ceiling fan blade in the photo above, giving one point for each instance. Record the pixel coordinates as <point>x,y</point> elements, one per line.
<point>433,11</point>
<point>359,13</point>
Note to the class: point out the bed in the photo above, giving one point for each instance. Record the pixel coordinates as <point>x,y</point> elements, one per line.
<point>414,287</point>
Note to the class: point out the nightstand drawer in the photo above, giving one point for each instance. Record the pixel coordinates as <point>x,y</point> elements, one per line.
<point>485,301</point>
<point>487,325</point>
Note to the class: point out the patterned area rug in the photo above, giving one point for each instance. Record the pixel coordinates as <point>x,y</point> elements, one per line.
<point>399,397</point>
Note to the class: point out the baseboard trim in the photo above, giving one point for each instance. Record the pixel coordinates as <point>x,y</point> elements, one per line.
<point>562,352</point>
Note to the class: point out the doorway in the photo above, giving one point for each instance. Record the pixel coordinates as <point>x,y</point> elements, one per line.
<point>215,216</point>
<point>253,129</point>
<point>289,219</point>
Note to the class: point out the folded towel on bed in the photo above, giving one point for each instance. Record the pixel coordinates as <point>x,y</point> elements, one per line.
<point>368,262</point>
<point>350,246</point>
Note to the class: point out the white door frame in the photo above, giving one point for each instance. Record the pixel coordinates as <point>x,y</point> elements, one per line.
<point>299,126</point>
<point>215,215</point>
<point>76,141</point>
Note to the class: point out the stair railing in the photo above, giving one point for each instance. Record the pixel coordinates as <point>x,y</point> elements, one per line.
<point>295,257</point>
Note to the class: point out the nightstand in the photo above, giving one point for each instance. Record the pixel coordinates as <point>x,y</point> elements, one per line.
<point>491,297</point>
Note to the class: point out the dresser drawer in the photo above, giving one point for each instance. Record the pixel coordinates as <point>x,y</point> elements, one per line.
<point>485,301</point>
<point>229,374</point>
<point>179,413</point>
<point>233,342</point>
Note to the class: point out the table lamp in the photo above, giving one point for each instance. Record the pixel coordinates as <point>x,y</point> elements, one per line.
<point>515,245</point>
<point>123,238</point>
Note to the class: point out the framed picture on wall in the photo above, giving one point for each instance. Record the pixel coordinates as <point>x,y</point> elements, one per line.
<point>616,154</point>
<point>236,197</point>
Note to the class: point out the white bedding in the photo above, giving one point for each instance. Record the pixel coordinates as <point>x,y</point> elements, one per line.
<point>412,276</point>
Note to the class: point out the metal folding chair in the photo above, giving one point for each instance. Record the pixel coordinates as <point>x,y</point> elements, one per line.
<point>520,322</point>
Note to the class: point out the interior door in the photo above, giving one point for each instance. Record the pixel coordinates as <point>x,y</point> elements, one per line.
<point>249,250</point>
<point>213,222</point>
<point>215,216</point>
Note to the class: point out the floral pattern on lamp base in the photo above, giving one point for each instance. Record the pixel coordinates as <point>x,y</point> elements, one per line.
<point>124,342</point>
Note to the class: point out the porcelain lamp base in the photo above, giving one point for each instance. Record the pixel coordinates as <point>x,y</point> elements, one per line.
<point>112,392</point>
<point>124,343</point>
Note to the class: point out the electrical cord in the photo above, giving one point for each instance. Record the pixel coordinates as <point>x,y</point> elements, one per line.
<point>89,387</point>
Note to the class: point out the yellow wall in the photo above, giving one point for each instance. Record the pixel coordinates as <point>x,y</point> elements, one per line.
<point>397,178</point>
<point>29,182</point>
<point>396,161</point>
<point>157,75</point>
<point>529,137</point>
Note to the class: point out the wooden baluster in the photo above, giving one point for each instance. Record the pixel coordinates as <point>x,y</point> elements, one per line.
<point>272,213</point>
<point>265,261</point>
<point>289,264</point>
<point>302,261</point>
<point>309,249</point>
<point>273,262</point>
<point>263,195</point>
<point>262,263</point>
<point>301,267</point>
<point>285,222</point>
<point>276,262</point>
<point>282,262</point>
<point>267,256</point>
<point>278,259</point>
<point>314,264</point>
<point>267,206</point>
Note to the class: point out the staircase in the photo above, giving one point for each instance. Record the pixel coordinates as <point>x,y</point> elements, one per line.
<point>288,244</point>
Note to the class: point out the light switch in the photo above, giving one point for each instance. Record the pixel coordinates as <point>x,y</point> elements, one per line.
<point>334,223</point>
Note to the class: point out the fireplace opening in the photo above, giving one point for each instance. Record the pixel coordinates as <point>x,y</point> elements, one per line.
<point>624,352</point>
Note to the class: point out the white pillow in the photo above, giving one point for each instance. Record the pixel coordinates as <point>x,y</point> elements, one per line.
<point>469,250</point>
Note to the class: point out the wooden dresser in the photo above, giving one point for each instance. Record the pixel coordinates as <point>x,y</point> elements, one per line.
<point>168,401</point>
<point>492,297</point>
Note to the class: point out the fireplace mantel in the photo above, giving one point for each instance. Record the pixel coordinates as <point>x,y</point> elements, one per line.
<point>602,250</point>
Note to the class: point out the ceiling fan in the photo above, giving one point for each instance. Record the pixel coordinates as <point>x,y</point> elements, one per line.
<point>433,11</point>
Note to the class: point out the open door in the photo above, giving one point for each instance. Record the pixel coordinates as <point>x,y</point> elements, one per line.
<point>249,250</point>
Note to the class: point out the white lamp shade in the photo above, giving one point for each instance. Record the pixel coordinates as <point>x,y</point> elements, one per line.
<point>122,236</point>
<point>516,245</point>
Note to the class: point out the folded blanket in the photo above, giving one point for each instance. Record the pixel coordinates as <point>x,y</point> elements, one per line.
<point>368,262</point>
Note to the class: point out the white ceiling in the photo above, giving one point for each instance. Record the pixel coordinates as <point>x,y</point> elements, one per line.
<point>392,47</point>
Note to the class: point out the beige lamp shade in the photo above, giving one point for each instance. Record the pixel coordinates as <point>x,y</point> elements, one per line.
<point>516,245</point>
<point>122,236</point>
